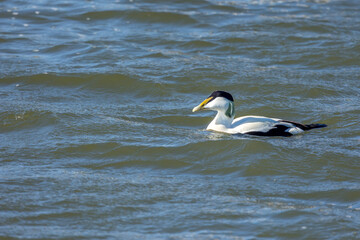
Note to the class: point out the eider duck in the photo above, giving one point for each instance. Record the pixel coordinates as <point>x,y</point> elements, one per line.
<point>224,121</point>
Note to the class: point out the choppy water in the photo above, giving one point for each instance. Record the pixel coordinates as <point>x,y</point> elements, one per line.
<point>97,138</point>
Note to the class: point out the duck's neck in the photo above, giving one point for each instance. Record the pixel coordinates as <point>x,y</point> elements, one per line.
<point>221,123</point>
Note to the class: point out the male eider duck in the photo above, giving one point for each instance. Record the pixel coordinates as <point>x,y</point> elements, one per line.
<point>224,121</point>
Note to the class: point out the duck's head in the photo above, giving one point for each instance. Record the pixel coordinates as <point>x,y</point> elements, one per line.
<point>218,101</point>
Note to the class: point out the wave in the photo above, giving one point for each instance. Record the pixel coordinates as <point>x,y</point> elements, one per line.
<point>26,119</point>
<point>102,82</point>
<point>140,16</point>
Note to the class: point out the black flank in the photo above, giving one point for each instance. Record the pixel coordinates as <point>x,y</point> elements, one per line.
<point>278,130</point>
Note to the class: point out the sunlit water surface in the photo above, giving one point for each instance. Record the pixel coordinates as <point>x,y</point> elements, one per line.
<point>98,141</point>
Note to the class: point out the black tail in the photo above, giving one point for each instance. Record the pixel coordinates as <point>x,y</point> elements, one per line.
<point>306,127</point>
<point>314,125</point>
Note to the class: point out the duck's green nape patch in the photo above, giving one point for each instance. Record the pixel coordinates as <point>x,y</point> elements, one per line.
<point>231,110</point>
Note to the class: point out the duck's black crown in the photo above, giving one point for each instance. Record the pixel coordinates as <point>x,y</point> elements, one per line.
<point>222,94</point>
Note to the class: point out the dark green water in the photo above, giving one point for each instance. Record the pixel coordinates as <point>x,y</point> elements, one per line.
<point>98,141</point>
